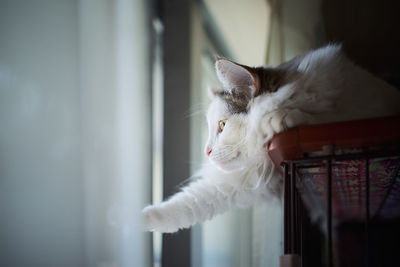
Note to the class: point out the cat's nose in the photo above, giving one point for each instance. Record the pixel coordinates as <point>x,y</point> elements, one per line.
<point>208,151</point>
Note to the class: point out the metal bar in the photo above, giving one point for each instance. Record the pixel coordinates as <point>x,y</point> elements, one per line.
<point>367,189</point>
<point>308,166</point>
<point>296,218</point>
<point>299,223</point>
<point>367,211</point>
<point>329,212</point>
<point>293,206</point>
<point>286,211</point>
<point>301,218</point>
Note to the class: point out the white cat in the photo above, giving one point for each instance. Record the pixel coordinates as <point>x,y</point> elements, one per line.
<point>253,105</point>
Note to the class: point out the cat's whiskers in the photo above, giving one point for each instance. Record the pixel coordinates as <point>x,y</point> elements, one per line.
<point>228,152</point>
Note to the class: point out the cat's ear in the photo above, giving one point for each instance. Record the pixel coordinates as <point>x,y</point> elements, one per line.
<point>233,75</point>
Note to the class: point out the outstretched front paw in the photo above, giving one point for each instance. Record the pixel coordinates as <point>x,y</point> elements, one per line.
<point>156,219</point>
<point>152,218</point>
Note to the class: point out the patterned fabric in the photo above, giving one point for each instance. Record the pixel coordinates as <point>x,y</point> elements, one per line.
<point>349,188</point>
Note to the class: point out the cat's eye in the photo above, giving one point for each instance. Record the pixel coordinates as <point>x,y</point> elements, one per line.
<point>222,125</point>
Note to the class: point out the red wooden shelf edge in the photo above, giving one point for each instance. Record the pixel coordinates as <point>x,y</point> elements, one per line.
<point>292,144</point>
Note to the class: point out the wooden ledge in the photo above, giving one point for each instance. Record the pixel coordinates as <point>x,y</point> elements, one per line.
<point>296,142</point>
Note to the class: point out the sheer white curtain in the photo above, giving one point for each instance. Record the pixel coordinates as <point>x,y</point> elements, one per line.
<point>75,129</point>
<point>116,112</point>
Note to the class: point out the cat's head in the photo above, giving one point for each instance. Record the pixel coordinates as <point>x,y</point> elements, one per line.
<point>227,120</point>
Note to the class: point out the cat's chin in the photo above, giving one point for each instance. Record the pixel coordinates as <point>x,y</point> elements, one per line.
<point>230,165</point>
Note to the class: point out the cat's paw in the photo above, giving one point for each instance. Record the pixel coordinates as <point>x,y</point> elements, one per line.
<point>280,120</point>
<point>152,218</point>
<point>273,122</point>
<point>155,219</point>
<point>296,118</point>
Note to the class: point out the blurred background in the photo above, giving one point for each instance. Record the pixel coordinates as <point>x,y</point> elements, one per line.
<point>102,113</point>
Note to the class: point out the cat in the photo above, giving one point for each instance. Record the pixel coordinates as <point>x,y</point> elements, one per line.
<point>253,105</point>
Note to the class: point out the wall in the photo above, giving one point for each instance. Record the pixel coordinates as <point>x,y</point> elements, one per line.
<point>369,33</point>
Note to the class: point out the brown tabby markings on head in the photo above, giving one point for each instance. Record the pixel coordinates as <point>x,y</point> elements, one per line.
<point>237,99</point>
<point>271,79</point>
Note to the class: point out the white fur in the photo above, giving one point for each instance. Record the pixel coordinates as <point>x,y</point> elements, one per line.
<point>328,88</point>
